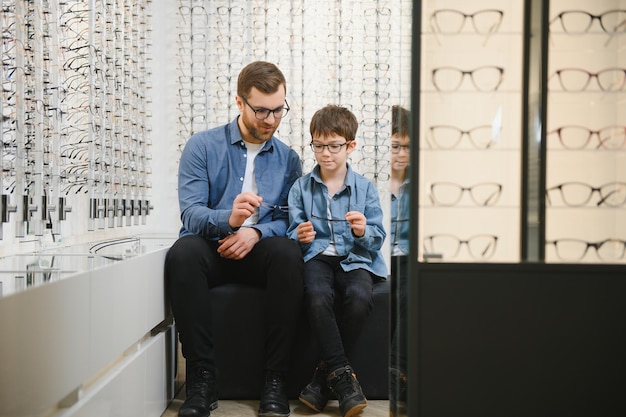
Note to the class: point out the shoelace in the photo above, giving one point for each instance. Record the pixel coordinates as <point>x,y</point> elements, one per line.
<point>273,381</point>
<point>321,374</point>
<point>200,383</point>
<point>345,383</point>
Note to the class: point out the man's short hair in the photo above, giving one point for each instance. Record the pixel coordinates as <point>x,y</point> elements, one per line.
<point>264,76</point>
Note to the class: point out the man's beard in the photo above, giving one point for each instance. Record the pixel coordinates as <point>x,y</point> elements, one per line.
<point>256,134</point>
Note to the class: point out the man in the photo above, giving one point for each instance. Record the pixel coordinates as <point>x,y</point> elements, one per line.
<point>233,183</point>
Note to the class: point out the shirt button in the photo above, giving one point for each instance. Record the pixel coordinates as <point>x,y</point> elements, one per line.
<point>241,179</point>
<point>245,155</point>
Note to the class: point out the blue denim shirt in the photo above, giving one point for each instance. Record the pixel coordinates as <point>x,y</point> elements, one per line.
<point>210,176</point>
<point>309,195</point>
<point>400,218</point>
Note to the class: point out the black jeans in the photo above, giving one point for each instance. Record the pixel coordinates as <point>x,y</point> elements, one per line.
<point>323,280</point>
<point>193,267</point>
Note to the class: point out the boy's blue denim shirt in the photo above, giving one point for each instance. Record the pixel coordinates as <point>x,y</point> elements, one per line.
<point>211,173</point>
<point>308,196</point>
<point>400,218</point>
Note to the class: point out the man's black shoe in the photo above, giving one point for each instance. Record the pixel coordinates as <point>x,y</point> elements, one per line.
<point>201,394</point>
<point>274,401</point>
<point>315,394</point>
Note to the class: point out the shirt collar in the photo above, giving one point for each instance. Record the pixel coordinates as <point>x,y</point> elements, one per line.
<point>235,136</point>
<point>349,182</point>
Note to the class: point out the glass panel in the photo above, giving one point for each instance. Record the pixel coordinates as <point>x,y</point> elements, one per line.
<point>470,138</point>
<point>586,132</point>
<point>399,241</point>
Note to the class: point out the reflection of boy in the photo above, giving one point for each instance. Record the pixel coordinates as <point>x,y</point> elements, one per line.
<point>336,216</point>
<point>400,158</point>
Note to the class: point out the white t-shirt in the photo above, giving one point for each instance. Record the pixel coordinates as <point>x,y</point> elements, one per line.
<point>249,182</point>
<point>331,249</point>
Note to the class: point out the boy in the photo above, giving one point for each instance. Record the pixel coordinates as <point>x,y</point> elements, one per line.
<point>336,217</point>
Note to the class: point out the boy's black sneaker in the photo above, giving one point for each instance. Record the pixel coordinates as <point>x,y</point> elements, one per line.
<point>315,394</point>
<point>346,387</point>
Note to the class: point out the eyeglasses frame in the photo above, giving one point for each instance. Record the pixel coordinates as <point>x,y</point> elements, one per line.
<point>284,109</point>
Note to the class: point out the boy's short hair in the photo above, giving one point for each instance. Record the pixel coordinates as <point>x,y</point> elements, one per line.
<point>333,119</point>
<point>400,118</point>
<point>264,76</point>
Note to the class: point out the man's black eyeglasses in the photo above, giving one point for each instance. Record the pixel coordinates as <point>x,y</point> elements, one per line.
<point>333,147</point>
<point>275,207</point>
<point>262,113</point>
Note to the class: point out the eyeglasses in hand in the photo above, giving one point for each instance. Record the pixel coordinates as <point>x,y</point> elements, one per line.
<point>328,217</point>
<point>275,207</point>
<point>263,113</point>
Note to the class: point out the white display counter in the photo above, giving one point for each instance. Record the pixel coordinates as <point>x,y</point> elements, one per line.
<point>85,331</point>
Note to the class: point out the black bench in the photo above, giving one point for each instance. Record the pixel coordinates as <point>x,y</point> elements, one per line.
<point>239,331</point>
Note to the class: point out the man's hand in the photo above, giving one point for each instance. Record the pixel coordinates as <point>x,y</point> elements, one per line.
<point>306,233</point>
<point>357,222</point>
<point>239,244</point>
<point>243,207</point>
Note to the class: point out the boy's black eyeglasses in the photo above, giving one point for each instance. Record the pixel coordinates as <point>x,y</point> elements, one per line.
<point>329,218</point>
<point>262,113</point>
<point>332,148</point>
<point>395,148</point>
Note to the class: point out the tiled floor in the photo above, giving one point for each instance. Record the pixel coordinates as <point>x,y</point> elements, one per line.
<point>249,409</point>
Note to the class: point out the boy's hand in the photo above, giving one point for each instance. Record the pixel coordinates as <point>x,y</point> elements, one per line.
<point>243,207</point>
<point>357,222</point>
<point>306,233</point>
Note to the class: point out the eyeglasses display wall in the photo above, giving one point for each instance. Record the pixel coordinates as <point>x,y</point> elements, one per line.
<point>471,126</point>
<point>470,136</point>
<point>75,87</point>
<point>586,132</point>
<point>350,53</point>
